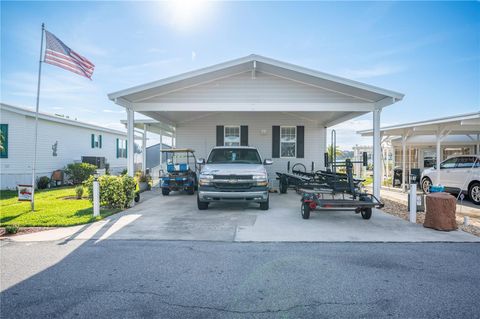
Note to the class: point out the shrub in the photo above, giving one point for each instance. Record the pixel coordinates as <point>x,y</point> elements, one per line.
<point>79,191</point>
<point>43,182</point>
<point>11,229</point>
<point>115,191</point>
<point>124,172</point>
<point>79,172</point>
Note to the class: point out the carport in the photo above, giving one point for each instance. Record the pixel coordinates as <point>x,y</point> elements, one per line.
<point>259,94</point>
<point>464,125</point>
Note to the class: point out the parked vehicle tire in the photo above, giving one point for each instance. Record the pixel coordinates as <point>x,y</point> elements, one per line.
<point>366,213</point>
<point>165,191</point>
<point>305,210</point>
<point>201,205</point>
<point>265,205</point>
<point>474,193</point>
<point>426,183</point>
<point>283,186</point>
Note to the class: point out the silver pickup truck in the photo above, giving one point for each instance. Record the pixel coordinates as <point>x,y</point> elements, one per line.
<point>233,174</point>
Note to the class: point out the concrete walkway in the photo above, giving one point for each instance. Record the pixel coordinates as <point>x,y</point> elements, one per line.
<point>176,217</point>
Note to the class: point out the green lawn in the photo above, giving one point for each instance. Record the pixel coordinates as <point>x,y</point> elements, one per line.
<point>50,209</point>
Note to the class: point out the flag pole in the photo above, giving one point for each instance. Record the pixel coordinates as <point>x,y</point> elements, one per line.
<point>36,120</point>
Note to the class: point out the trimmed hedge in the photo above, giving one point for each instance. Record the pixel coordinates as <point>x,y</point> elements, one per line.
<point>79,172</point>
<point>115,191</point>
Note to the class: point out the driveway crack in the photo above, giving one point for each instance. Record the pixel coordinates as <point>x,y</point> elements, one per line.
<point>235,311</point>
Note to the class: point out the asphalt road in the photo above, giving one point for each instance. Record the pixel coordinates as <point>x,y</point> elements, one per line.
<point>192,279</point>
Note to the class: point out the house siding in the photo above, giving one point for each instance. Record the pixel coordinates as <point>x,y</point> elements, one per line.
<point>263,88</point>
<point>201,136</point>
<point>73,143</point>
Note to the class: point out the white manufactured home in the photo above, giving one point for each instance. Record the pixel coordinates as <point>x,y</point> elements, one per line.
<point>61,141</point>
<point>282,109</point>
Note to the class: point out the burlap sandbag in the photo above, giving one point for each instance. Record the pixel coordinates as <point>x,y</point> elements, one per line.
<point>440,211</point>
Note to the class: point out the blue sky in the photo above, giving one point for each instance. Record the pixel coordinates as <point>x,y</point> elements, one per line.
<point>429,51</point>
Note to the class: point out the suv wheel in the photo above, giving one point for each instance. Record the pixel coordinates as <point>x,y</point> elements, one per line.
<point>474,193</point>
<point>201,205</point>
<point>426,183</point>
<point>264,205</point>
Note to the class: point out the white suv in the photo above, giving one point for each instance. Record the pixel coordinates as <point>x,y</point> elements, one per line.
<point>459,173</point>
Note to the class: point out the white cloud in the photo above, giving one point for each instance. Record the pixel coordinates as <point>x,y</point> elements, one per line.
<point>114,111</point>
<point>194,55</point>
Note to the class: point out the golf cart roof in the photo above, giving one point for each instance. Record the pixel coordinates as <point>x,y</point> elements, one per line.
<point>178,150</point>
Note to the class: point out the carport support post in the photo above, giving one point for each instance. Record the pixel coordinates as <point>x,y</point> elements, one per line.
<point>144,149</point>
<point>377,161</point>
<point>439,155</point>
<point>130,142</point>
<point>404,159</point>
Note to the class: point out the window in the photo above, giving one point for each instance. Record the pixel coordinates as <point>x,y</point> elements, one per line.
<point>96,141</point>
<point>288,141</point>
<point>450,163</point>
<point>3,140</point>
<point>232,136</point>
<point>121,148</point>
<point>467,162</point>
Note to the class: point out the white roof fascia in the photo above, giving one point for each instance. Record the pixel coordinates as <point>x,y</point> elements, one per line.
<point>53,118</point>
<point>258,58</point>
<point>443,120</point>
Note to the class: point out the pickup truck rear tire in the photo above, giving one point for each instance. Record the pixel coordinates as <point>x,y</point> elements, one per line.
<point>201,205</point>
<point>165,191</point>
<point>265,205</point>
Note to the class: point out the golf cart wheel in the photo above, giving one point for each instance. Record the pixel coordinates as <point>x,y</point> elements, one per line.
<point>191,190</point>
<point>265,205</point>
<point>283,186</point>
<point>367,213</point>
<point>201,205</point>
<point>165,191</point>
<point>305,210</point>
<point>426,183</point>
<point>474,193</point>
<point>137,197</point>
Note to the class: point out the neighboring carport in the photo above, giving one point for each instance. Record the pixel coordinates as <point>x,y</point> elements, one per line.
<point>257,84</point>
<point>459,125</point>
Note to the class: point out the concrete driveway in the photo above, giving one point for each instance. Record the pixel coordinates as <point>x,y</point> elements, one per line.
<point>176,217</point>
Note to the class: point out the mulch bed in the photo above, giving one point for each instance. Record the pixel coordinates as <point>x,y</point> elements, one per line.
<point>401,210</point>
<point>23,231</point>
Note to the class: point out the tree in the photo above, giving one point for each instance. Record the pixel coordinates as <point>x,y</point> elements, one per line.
<point>338,152</point>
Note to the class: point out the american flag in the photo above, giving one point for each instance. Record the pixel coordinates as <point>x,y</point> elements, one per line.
<point>57,53</point>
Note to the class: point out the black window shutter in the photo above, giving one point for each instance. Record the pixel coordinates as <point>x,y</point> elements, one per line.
<point>275,141</point>
<point>93,140</point>
<point>300,141</point>
<point>220,132</point>
<point>100,141</point>
<point>118,151</point>
<point>244,135</point>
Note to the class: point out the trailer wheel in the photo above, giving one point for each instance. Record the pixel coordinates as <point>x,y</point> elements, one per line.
<point>305,210</point>
<point>367,213</point>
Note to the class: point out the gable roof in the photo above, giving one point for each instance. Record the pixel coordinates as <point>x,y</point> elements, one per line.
<point>253,62</point>
<point>57,119</point>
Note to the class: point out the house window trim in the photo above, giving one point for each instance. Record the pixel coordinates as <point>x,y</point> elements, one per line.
<point>121,150</point>
<point>239,134</point>
<point>5,154</point>
<point>280,141</point>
